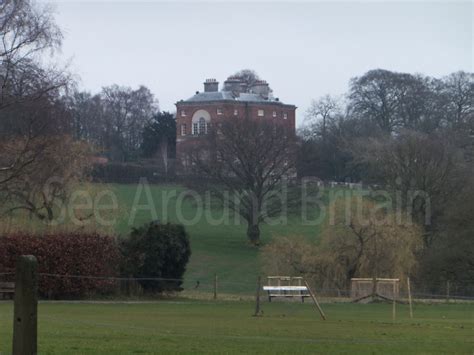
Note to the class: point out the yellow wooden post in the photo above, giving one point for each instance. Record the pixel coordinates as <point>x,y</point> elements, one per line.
<point>394,300</point>
<point>257,298</point>
<point>323,316</point>
<point>215,286</point>
<point>409,297</point>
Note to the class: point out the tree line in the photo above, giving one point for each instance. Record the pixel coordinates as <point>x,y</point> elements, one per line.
<point>411,136</point>
<point>400,131</point>
<point>382,103</point>
<point>113,120</point>
<point>49,130</point>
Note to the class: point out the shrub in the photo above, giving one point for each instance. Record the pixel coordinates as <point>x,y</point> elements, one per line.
<point>130,173</point>
<point>65,254</point>
<point>158,251</point>
<point>450,257</point>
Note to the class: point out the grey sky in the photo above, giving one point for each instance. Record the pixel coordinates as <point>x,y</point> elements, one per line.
<point>304,50</point>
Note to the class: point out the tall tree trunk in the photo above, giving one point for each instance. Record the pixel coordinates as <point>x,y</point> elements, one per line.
<point>164,153</point>
<point>253,233</point>
<point>375,270</point>
<point>50,213</point>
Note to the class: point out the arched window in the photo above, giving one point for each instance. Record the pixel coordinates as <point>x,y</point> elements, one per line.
<point>202,126</point>
<point>200,122</point>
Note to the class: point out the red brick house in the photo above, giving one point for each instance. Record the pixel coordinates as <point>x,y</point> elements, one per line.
<point>195,115</point>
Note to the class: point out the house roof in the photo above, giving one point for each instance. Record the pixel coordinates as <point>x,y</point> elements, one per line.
<point>229,96</point>
<point>211,96</point>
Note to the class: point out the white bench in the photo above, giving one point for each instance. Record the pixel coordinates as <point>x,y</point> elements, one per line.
<point>7,288</point>
<point>285,287</point>
<point>286,291</point>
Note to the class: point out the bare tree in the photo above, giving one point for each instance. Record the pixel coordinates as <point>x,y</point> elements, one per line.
<point>26,30</point>
<point>321,113</point>
<point>27,90</point>
<point>126,112</point>
<point>324,137</point>
<point>48,181</point>
<point>426,170</point>
<point>34,120</point>
<point>26,122</point>
<point>248,77</point>
<point>367,240</point>
<point>389,100</point>
<point>459,89</point>
<point>87,118</point>
<point>363,240</point>
<point>246,161</point>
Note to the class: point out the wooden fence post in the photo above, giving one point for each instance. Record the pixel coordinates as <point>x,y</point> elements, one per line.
<point>25,313</point>
<point>215,286</point>
<point>447,290</point>
<point>323,316</point>
<point>409,297</point>
<point>257,298</point>
<point>394,301</point>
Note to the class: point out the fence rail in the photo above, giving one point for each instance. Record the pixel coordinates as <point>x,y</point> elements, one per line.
<point>215,287</point>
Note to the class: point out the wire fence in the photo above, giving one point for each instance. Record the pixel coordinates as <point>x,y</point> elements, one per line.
<point>211,287</point>
<point>144,316</point>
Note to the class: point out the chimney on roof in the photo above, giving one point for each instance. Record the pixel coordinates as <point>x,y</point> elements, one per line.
<point>260,87</point>
<point>211,85</point>
<point>234,84</point>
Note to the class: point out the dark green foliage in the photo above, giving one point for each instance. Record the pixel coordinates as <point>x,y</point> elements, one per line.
<point>157,251</point>
<point>158,134</point>
<point>450,258</point>
<point>131,173</point>
<point>325,159</point>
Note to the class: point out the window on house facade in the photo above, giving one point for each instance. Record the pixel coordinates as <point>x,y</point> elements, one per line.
<point>202,126</point>
<point>285,115</point>
<point>183,129</point>
<point>219,111</point>
<point>195,128</point>
<point>261,113</point>
<point>183,113</point>
<point>274,113</point>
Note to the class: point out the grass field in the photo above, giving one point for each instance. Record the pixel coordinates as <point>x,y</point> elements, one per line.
<point>221,249</point>
<point>192,326</point>
<point>229,328</point>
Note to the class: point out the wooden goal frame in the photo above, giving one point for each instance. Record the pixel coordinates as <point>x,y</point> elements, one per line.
<point>366,289</point>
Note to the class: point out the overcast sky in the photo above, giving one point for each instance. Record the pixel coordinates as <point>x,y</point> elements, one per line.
<point>304,50</point>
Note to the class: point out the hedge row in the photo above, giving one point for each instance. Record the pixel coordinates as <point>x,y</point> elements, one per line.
<point>65,254</point>
<point>78,265</point>
<point>131,173</point>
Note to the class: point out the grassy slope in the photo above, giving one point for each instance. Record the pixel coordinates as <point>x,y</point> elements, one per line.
<point>196,327</point>
<point>221,249</point>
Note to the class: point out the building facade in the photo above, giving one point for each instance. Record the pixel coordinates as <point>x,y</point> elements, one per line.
<point>235,100</point>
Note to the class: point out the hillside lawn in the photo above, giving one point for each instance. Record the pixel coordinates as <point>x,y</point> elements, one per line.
<point>217,248</point>
<point>193,326</point>
<point>220,249</point>
<point>229,328</point>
